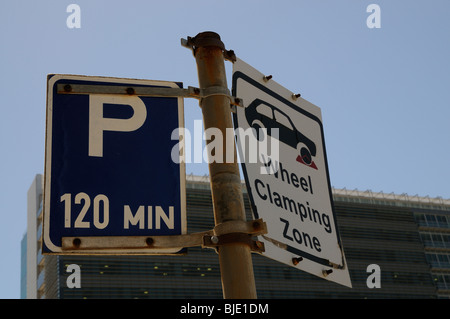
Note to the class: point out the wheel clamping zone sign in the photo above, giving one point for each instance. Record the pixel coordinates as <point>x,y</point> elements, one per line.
<point>281,146</point>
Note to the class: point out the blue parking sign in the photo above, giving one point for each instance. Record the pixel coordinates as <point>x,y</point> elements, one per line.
<point>109,170</point>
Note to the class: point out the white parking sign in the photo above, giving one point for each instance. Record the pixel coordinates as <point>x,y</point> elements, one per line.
<point>288,184</point>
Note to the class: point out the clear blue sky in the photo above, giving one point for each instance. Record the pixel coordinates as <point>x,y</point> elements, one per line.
<point>384,93</point>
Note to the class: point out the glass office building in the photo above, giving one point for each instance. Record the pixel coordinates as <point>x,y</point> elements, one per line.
<point>407,237</point>
<point>434,230</point>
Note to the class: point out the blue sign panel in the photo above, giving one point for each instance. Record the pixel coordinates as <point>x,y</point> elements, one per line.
<point>109,169</point>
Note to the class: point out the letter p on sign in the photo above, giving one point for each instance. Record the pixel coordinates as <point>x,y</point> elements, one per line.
<point>98,124</point>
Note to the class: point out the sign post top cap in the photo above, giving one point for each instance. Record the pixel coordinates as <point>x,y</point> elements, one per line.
<point>208,34</point>
<point>208,38</point>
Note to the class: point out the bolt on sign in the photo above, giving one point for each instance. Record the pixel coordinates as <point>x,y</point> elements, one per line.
<point>281,146</point>
<point>109,177</point>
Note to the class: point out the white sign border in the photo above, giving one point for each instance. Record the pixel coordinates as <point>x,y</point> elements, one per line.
<point>340,274</point>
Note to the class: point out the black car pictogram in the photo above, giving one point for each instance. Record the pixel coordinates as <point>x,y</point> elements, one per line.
<point>260,114</point>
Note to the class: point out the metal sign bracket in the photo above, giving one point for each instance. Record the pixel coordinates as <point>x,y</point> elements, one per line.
<point>193,43</point>
<point>226,233</point>
<point>190,92</point>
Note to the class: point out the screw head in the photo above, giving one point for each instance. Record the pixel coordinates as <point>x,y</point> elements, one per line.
<point>327,272</point>
<point>296,260</point>
<point>76,242</point>
<point>295,96</point>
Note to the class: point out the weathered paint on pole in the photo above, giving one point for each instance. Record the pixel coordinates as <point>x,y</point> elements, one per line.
<point>235,258</point>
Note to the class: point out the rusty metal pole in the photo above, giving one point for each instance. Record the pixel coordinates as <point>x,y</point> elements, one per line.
<point>236,265</point>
